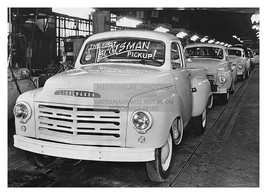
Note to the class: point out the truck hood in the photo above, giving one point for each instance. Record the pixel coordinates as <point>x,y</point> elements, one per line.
<point>102,85</point>
<point>236,58</point>
<point>211,65</point>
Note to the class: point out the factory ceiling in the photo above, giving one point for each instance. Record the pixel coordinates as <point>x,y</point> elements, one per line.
<point>217,23</point>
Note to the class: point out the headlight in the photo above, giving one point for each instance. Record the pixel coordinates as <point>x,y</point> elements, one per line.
<point>240,66</point>
<point>142,121</point>
<point>22,111</point>
<point>222,79</point>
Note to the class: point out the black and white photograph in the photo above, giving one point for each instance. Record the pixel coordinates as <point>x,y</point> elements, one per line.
<point>143,97</point>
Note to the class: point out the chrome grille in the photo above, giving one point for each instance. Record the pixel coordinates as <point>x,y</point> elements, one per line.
<point>79,124</point>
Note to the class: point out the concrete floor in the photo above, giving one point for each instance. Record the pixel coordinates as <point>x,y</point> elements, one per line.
<point>226,155</point>
<point>229,155</point>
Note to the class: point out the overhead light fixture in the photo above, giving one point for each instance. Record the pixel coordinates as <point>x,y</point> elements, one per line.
<point>181,34</point>
<point>221,43</point>
<point>241,41</point>
<point>128,22</point>
<point>217,42</point>
<point>256,27</point>
<point>204,39</point>
<point>194,38</point>
<point>162,29</point>
<point>229,46</point>
<point>234,36</point>
<point>211,41</point>
<point>255,18</point>
<point>226,44</point>
<point>91,10</point>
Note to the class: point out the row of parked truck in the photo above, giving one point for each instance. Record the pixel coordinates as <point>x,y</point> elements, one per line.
<point>128,99</point>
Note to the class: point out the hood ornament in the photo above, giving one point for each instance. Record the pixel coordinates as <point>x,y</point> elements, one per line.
<point>77,93</point>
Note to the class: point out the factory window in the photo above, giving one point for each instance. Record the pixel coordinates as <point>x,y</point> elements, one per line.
<point>69,27</point>
<point>113,17</point>
<point>113,20</point>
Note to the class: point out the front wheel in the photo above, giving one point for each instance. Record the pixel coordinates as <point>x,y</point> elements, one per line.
<point>243,76</point>
<point>225,98</point>
<point>159,169</point>
<point>233,87</point>
<point>200,122</point>
<point>41,161</point>
<point>248,73</point>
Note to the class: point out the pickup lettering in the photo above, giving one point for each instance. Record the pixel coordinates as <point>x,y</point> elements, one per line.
<point>130,49</point>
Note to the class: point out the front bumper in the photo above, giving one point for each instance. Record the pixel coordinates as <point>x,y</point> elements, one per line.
<point>221,91</point>
<point>240,73</point>
<point>215,89</point>
<point>82,152</point>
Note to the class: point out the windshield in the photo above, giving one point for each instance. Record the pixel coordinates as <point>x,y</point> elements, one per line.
<point>124,50</point>
<point>234,52</point>
<point>204,52</point>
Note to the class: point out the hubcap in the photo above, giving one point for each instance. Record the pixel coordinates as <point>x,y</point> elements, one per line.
<point>166,152</point>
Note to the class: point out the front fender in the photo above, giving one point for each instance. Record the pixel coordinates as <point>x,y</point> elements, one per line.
<point>228,83</point>
<point>27,97</point>
<point>164,106</point>
<point>234,72</point>
<point>201,92</point>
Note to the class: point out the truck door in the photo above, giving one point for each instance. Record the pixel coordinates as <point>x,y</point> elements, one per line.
<point>182,79</point>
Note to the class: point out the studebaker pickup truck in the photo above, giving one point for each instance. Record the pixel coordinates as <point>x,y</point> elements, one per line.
<point>237,56</point>
<point>128,99</point>
<point>220,71</point>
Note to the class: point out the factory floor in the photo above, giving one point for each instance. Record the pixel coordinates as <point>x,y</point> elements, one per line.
<point>226,155</point>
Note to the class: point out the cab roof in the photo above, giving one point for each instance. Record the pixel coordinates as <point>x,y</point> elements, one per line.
<point>134,33</point>
<point>236,48</point>
<point>204,45</point>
